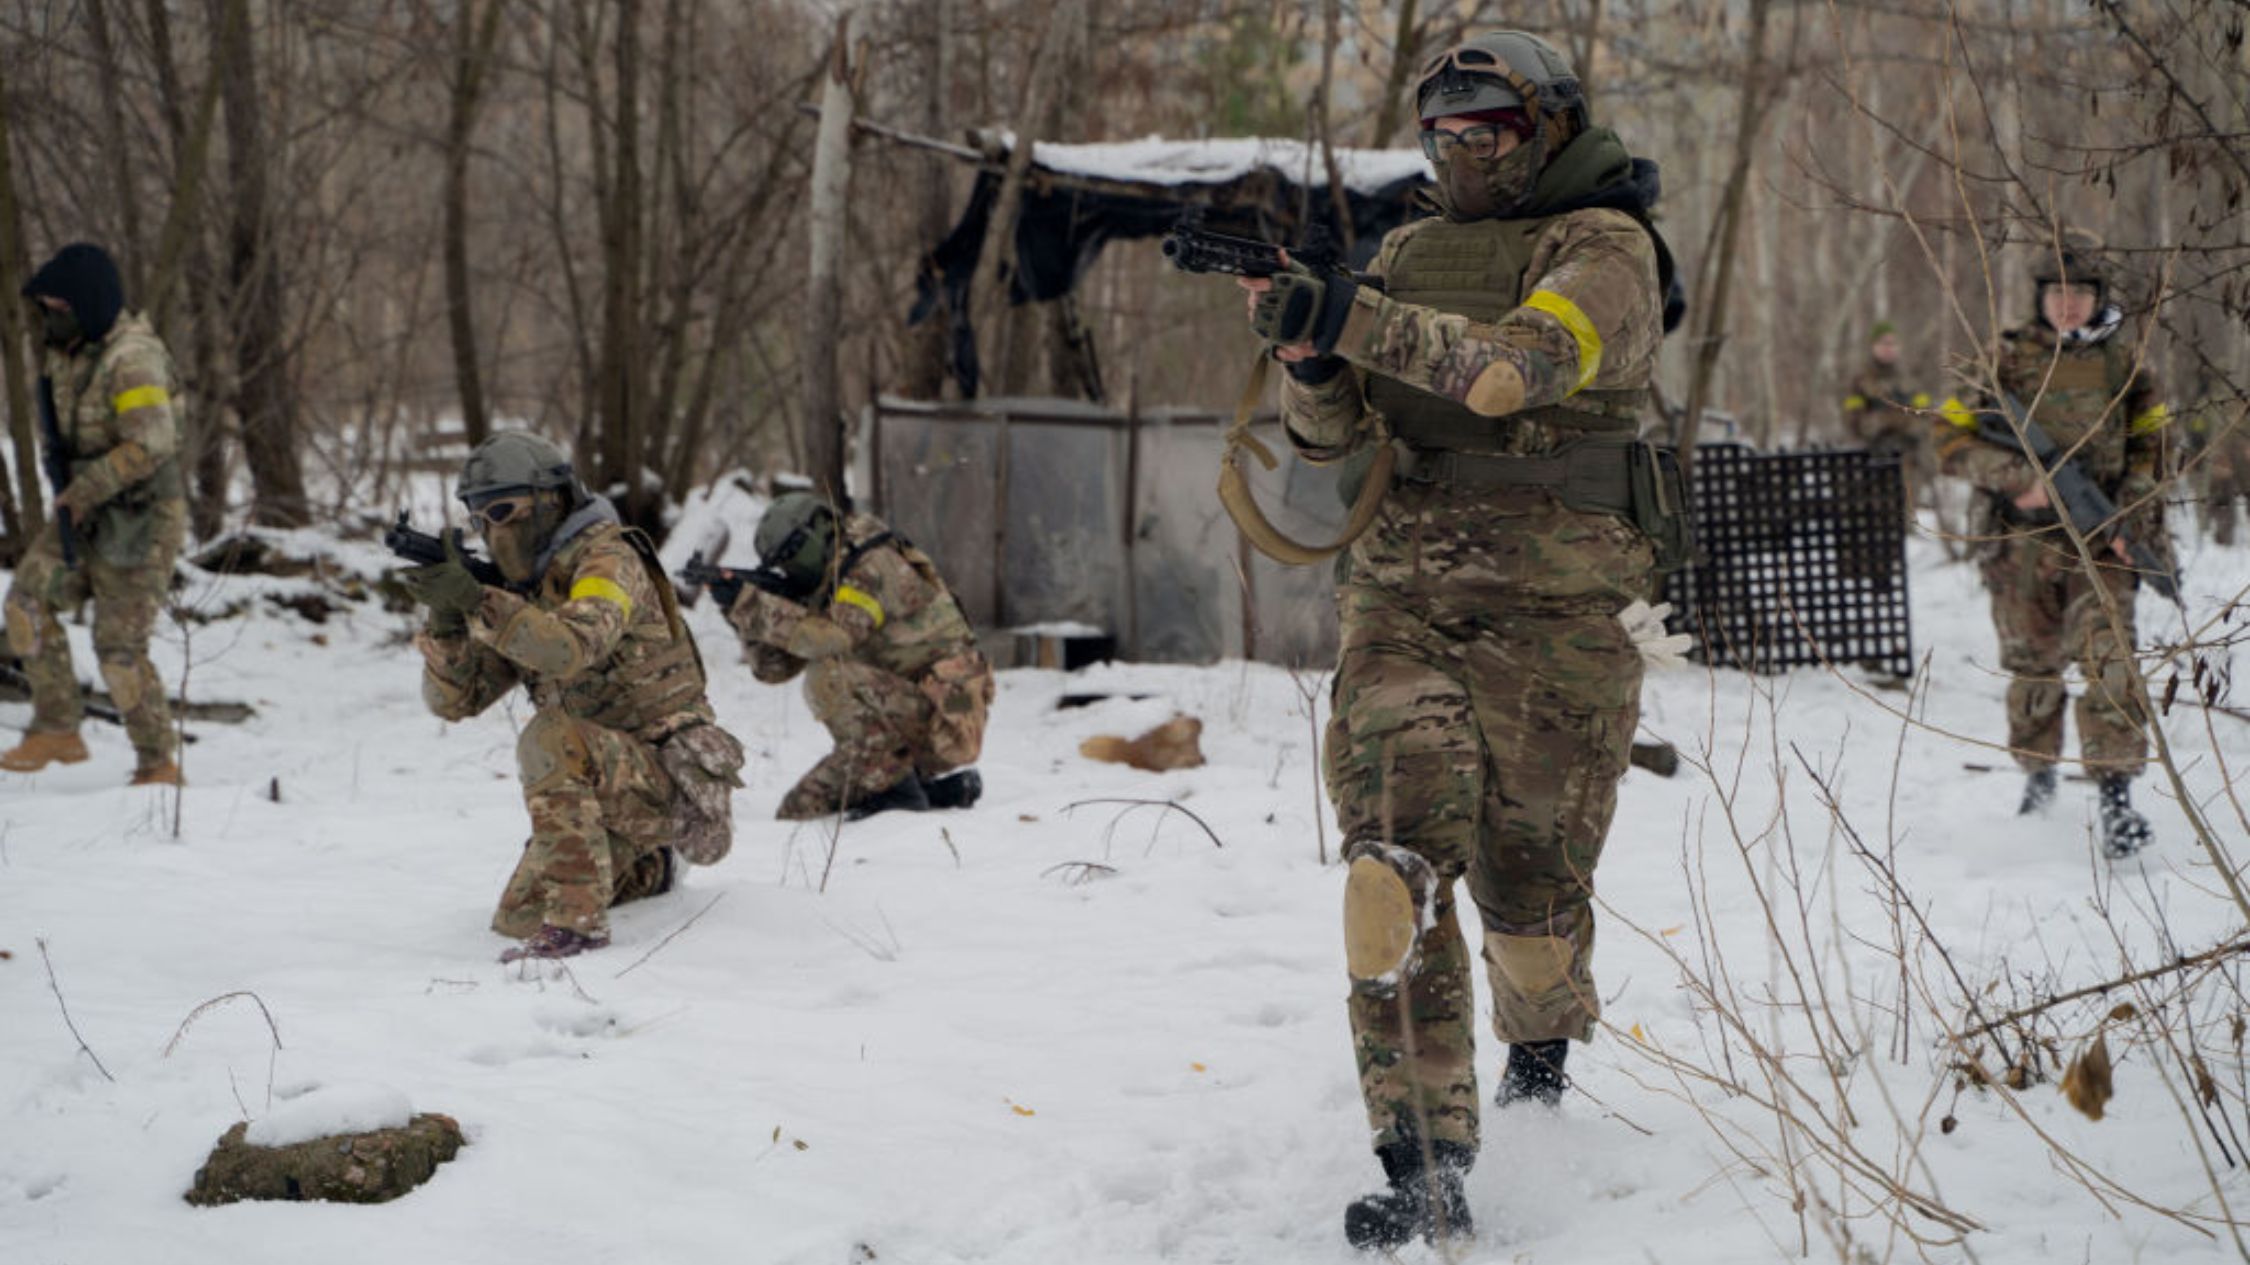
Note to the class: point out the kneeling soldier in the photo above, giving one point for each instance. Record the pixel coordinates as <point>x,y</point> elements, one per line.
<point>891,666</point>
<point>623,762</point>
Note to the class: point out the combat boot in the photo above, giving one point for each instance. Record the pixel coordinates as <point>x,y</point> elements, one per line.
<point>165,773</point>
<point>41,748</point>
<point>1420,1203</point>
<point>2124,830</point>
<point>554,942</point>
<point>2038,791</point>
<point>955,790</point>
<point>1534,1073</point>
<point>906,794</point>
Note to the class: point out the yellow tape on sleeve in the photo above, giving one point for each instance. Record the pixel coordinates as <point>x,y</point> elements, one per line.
<point>1573,319</point>
<point>1854,402</point>
<point>1957,413</point>
<point>2151,421</point>
<point>140,397</point>
<point>605,589</point>
<point>850,596</point>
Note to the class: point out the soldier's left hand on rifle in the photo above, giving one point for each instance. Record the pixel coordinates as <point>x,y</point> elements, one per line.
<point>447,588</point>
<point>2036,499</point>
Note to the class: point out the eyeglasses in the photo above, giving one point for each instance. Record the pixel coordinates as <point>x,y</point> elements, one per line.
<point>1482,141</point>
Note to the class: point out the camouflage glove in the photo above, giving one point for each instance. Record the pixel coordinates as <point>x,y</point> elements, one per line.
<point>1302,306</point>
<point>448,589</point>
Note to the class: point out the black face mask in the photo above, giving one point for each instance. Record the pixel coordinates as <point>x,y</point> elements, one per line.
<point>59,327</point>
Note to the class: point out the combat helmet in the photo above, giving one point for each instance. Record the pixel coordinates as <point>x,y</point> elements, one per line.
<point>2077,258</point>
<point>1503,70</point>
<point>520,488</point>
<point>797,534</point>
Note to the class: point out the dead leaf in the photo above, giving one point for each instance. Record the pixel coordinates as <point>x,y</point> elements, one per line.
<point>2206,1088</point>
<point>2086,1083</point>
<point>2122,1012</point>
<point>800,1144</point>
<point>1199,1067</point>
<point>1948,1125</point>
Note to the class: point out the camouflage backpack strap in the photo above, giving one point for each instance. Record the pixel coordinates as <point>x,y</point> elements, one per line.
<point>1242,506</point>
<point>665,594</point>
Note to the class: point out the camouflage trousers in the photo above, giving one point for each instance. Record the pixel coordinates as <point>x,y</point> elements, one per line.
<point>600,806</point>
<point>2048,615</point>
<point>887,726</point>
<point>1493,754</point>
<point>126,601</point>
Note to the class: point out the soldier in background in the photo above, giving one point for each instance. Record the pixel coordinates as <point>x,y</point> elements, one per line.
<point>891,666</point>
<point>2079,373</point>
<point>1488,684</point>
<point>623,761</point>
<point>111,383</point>
<point>1883,415</point>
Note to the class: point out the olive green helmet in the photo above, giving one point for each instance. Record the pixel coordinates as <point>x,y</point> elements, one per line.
<point>1501,70</point>
<point>515,461</point>
<point>2077,259</point>
<point>798,534</point>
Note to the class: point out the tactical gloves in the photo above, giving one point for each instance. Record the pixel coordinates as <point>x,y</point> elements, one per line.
<point>447,589</point>
<point>1302,306</point>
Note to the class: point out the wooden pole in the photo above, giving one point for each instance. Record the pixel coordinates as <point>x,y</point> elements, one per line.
<point>824,305</point>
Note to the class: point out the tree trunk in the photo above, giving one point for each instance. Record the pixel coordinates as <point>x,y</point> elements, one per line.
<point>263,394</point>
<point>475,38</point>
<point>182,250</point>
<point>1710,325</point>
<point>620,369</point>
<point>989,294</point>
<point>22,507</point>
<point>110,91</point>
<point>1406,60</point>
<point>827,211</point>
<point>928,344</point>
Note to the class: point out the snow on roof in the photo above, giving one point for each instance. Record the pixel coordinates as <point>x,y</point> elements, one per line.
<point>1157,160</point>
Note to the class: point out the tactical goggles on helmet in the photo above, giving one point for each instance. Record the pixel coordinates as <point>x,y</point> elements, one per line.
<point>501,506</point>
<point>1467,74</point>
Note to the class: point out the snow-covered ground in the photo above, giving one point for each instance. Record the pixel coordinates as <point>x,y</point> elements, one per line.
<point>943,1038</point>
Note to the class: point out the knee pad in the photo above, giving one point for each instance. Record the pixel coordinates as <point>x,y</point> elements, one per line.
<point>551,752</point>
<point>24,619</point>
<point>1534,965</point>
<point>127,679</point>
<point>1390,898</point>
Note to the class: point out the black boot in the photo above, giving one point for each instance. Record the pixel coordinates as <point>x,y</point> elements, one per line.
<point>1419,1203</point>
<point>905,794</point>
<point>2124,831</point>
<point>2038,792</point>
<point>955,790</point>
<point>1534,1073</point>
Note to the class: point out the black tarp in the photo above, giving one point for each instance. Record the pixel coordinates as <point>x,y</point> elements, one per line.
<point>1064,222</point>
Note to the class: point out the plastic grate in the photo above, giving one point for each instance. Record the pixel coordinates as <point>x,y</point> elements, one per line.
<point>1801,559</point>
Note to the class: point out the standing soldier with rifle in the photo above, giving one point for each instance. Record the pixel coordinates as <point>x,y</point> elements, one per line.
<point>111,431</point>
<point>1493,614</point>
<point>624,768</point>
<point>2073,386</point>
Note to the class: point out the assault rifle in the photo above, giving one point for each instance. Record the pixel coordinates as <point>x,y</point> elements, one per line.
<point>726,583</point>
<point>423,549</point>
<point>1192,248</point>
<point>2089,509</point>
<point>57,464</point>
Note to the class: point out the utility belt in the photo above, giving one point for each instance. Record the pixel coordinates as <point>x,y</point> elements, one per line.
<point>1628,478</point>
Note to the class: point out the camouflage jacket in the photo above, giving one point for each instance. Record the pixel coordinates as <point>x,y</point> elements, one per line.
<point>2093,399</point>
<point>1590,316</point>
<point>1879,411</point>
<point>1587,316</point>
<point>885,606</point>
<point>597,637</point>
<point>119,418</point>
